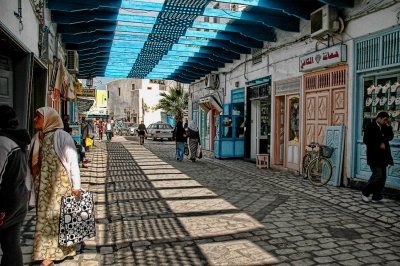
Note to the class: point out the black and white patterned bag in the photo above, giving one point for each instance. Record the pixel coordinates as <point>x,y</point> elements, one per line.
<point>76,219</point>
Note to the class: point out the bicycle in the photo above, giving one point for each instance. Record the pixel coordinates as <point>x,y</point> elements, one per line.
<point>316,165</point>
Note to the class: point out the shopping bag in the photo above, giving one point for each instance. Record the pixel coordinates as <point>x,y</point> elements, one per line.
<point>186,149</point>
<point>199,152</point>
<point>88,142</point>
<point>77,219</point>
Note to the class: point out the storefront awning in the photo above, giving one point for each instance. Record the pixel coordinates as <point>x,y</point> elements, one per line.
<point>84,105</point>
<point>209,102</point>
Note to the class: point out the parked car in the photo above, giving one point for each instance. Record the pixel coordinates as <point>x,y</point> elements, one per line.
<point>160,130</point>
<point>132,129</point>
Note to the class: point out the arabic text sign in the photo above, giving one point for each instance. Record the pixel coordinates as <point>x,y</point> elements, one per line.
<point>86,92</point>
<point>323,58</point>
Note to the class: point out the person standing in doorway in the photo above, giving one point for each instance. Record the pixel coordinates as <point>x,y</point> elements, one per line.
<point>180,138</point>
<point>194,140</point>
<point>377,136</point>
<point>13,192</point>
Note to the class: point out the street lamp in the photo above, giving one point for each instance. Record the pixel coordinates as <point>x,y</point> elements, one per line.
<point>89,81</point>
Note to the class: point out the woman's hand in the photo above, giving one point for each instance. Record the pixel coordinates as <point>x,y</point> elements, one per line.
<point>2,215</point>
<point>76,193</point>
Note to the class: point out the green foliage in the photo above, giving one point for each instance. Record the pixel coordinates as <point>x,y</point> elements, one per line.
<point>174,103</point>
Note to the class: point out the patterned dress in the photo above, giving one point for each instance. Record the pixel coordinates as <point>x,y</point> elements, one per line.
<point>51,184</point>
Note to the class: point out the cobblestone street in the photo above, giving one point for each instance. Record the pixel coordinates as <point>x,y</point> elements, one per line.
<point>154,210</point>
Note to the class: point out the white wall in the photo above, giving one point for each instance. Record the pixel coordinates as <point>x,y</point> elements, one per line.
<point>29,35</point>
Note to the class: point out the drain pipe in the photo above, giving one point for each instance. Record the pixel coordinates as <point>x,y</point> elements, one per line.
<point>19,15</point>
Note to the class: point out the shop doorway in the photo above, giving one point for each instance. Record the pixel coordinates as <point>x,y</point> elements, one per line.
<point>325,102</point>
<point>6,81</point>
<point>287,151</point>
<point>261,126</point>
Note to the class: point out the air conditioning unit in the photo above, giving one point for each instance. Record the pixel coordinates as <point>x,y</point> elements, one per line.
<point>324,21</point>
<point>212,81</point>
<point>72,61</point>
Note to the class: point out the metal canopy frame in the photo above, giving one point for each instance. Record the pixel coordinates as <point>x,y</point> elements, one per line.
<point>170,39</point>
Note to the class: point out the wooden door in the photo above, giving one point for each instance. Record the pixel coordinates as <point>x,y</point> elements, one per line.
<point>280,130</point>
<point>317,115</point>
<point>339,107</point>
<point>325,102</point>
<point>292,138</point>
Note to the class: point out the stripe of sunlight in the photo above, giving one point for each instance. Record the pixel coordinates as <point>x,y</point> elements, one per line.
<point>137,42</point>
<point>200,211</point>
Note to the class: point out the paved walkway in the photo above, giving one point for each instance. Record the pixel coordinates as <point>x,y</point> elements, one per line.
<point>153,210</point>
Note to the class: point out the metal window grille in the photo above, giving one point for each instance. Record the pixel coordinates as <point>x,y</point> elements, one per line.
<point>256,55</point>
<point>378,51</point>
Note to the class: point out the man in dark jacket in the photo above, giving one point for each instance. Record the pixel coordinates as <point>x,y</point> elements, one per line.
<point>377,136</point>
<point>13,192</point>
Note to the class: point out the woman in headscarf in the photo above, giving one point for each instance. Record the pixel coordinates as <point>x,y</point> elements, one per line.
<point>54,172</point>
<point>194,140</point>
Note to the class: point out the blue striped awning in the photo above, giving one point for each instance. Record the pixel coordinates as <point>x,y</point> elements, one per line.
<point>179,40</point>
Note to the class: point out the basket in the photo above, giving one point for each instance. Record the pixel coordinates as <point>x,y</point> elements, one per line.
<point>326,151</point>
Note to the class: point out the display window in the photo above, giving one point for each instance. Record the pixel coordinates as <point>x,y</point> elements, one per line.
<point>382,93</point>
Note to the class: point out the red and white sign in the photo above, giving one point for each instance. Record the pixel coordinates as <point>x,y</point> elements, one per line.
<point>323,58</point>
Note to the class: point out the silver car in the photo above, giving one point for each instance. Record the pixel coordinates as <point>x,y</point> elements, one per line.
<point>160,130</point>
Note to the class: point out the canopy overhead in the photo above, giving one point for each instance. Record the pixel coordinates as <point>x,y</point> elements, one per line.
<point>179,40</point>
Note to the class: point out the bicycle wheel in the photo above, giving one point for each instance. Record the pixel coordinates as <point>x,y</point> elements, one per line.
<point>306,160</point>
<point>319,171</point>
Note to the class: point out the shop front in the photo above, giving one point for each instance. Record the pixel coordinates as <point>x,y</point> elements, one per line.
<point>229,127</point>
<point>325,92</point>
<point>287,148</point>
<point>377,78</point>
<point>258,117</point>
<point>209,107</point>
<point>22,78</point>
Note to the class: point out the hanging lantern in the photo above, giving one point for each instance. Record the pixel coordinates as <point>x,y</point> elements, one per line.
<point>89,81</point>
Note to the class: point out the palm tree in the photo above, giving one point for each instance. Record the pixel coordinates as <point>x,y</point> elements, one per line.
<point>174,103</point>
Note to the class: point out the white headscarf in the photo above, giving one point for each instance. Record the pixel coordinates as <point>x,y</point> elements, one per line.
<point>52,121</point>
<point>192,126</point>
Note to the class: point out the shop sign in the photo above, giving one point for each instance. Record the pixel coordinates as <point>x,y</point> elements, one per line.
<point>323,58</point>
<point>85,92</point>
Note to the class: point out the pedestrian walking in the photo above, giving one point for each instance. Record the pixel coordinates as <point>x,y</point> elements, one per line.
<point>142,131</point>
<point>100,128</point>
<point>377,136</point>
<point>54,173</point>
<point>79,150</point>
<point>180,139</point>
<point>13,192</point>
<point>194,140</point>
<point>66,122</point>
<point>84,133</point>
<point>109,131</point>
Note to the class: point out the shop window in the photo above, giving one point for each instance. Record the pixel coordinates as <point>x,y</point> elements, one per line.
<point>382,94</point>
<point>227,127</point>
